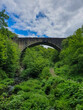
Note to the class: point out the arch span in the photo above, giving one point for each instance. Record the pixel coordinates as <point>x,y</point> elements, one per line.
<point>40,43</point>
<point>45,43</point>
<point>23,43</point>
<point>29,42</point>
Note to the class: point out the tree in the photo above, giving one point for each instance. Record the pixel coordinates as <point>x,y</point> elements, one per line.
<point>3,17</point>
<point>34,63</point>
<point>72,53</point>
<point>12,61</point>
<point>8,33</point>
<point>9,55</point>
<point>3,50</point>
<point>3,24</point>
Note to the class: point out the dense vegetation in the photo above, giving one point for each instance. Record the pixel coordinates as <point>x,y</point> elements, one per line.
<point>37,58</point>
<point>71,57</point>
<point>33,86</point>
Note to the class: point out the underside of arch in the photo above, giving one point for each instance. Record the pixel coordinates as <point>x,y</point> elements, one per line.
<point>40,43</point>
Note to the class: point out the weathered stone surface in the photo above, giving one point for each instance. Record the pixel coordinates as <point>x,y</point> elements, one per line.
<point>30,42</point>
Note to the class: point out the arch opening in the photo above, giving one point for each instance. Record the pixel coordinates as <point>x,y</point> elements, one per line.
<point>40,43</point>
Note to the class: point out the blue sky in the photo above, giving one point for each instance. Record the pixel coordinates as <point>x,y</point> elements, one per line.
<point>25,33</point>
<point>43,18</point>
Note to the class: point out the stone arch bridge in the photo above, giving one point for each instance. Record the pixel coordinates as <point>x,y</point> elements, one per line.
<point>23,43</point>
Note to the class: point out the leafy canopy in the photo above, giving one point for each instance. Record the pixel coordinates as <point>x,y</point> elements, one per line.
<point>3,18</point>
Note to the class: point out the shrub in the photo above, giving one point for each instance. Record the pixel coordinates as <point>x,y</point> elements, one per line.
<point>36,102</point>
<point>45,74</point>
<point>3,75</point>
<point>9,55</point>
<point>35,67</point>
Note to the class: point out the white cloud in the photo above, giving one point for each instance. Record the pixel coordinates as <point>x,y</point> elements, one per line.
<point>22,36</point>
<point>62,17</point>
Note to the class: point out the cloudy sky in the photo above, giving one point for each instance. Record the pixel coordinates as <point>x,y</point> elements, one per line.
<point>43,18</point>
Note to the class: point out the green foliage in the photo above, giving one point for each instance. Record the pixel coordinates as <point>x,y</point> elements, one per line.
<point>3,75</point>
<point>4,85</point>
<point>36,102</point>
<point>3,17</point>
<point>3,50</point>
<point>79,107</point>
<point>27,95</point>
<point>32,102</point>
<point>34,62</point>
<point>45,74</point>
<point>48,53</point>
<point>35,68</point>
<point>7,33</point>
<point>12,62</point>
<point>64,95</point>
<point>52,93</point>
<point>29,86</point>
<point>9,55</point>
<point>71,57</point>
<point>42,91</point>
